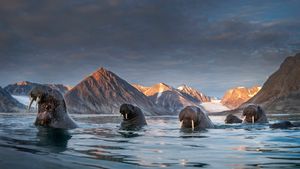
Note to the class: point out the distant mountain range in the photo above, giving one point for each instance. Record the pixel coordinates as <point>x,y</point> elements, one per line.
<point>233,98</point>
<point>103,92</point>
<point>23,88</point>
<point>171,99</point>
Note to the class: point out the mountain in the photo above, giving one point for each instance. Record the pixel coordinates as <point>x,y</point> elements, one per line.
<point>281,92</point>
<point>194,93</point>
<point>233,98</point>
<point>140,87</point>
<point>103,92</point>
<point>169,98</point>
<point>23,88</point>
<point>8,103</point>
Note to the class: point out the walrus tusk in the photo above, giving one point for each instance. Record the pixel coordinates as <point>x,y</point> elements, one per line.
<point>244,119</point>
<point>252,119</point>
<point>193,124</point>
<point>37,102</point>
<point>31,101</point>
<point>181,122</point>
<point>126,116</point>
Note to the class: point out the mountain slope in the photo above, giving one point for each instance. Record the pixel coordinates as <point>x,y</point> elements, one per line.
<point>198,96</point>
<point>140,87</point>
<point>8,103</point>
<point>281,92</point>
<point>169,98</point>
<point>233,98</point>
<point>103,92</point>
<point>23,88</point>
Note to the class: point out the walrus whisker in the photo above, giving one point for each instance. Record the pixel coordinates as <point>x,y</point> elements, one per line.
<point>193,124</point>
<point>31,101</point>
<point>252,119</point>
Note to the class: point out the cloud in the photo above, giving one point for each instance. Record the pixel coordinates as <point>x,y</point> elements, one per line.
<point>211,45</point>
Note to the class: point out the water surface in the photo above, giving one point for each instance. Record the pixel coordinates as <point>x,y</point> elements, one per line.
<point>98,143</point>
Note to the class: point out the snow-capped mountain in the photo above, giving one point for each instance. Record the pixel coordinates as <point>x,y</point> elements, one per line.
<point>140,87</point>
<point>168,98</point>
<point>198,96</point>
<point>233,98</point>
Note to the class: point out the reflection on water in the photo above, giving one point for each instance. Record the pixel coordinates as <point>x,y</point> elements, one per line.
<point>99,143</point>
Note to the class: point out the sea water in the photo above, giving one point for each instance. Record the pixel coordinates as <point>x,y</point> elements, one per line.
<point>98,143</point>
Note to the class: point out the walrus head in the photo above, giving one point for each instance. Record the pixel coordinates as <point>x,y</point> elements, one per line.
<point>253,114</point>
<point>192,117</point>
<point>133,117</point>
<point>232,119</point>
<point>50,104</point>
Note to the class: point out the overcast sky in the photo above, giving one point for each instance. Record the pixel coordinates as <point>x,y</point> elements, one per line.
<point>209,45</point>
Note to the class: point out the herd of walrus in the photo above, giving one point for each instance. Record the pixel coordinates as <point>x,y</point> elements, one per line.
<point>52,112</point>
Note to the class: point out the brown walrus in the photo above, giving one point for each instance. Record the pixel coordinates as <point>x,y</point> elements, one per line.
<point>133,117</point>
<point>51,108</point>
<point>194,118</point>
<point>254,114</point>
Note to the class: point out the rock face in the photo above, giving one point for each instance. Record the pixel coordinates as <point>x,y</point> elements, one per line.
<point>23,88</point>
<point>233,98</point>
<point>103,92</point>
<point>281,92</point>
<point>169,98</point>
<point>194,93</point>
<point>8,103</point>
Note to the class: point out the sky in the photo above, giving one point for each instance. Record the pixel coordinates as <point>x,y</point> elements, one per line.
<point>209,45</point>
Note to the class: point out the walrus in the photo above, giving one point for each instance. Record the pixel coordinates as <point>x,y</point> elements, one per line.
<point>51,108</point>
<point>133,117</point>
<point>194,118</point>
<point>254,114</point>
<point>230,119</point>
<point>284,125</point>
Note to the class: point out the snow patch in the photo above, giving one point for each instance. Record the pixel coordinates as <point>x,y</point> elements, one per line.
<point>215,106</point>
<point>22,99</point>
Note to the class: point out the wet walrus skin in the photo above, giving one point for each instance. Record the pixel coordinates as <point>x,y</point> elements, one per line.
<point>254,114</point>
<point>52,110</point>
<point>133,117</point>
<point>230,119</point>
<point>194,118</point>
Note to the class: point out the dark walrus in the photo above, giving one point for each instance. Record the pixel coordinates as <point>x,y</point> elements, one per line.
<point>284,125</point>
<point>193,117</point>
<point>254,114</point>
<point>230,119</point>
<point>133,117</point>
<point>51,108</point>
